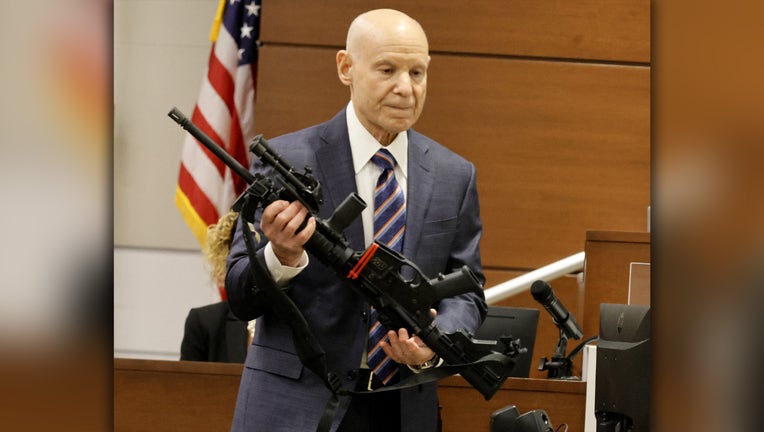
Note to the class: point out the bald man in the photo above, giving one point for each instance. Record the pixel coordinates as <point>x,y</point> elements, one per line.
<point>384,65</point>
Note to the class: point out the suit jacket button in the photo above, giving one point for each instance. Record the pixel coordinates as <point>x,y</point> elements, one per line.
<point>352,375</point>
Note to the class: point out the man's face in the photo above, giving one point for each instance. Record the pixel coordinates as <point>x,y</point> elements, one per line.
<point>389,84</point>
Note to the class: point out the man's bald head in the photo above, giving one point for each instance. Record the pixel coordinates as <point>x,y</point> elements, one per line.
<point>376,25</point>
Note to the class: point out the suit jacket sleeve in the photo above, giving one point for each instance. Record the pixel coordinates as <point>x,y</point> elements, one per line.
<point>467,311</point>
<point>245,302</point>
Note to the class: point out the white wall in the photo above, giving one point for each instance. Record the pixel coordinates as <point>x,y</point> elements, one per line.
<point>161,48</point>
<point>154,291</point>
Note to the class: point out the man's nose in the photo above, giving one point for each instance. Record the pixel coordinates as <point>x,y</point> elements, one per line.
<point>403,85</point>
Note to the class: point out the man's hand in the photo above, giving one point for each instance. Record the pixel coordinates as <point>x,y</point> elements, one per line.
<point>280,223</point>
<point>406,349</point>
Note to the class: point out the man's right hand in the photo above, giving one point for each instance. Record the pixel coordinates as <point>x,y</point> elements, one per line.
<point>280,223</point>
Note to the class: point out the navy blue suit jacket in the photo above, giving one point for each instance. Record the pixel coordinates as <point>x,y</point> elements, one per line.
<point>443,231</point>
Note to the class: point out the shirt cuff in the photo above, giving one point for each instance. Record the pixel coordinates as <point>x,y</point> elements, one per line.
<point>280,273</point>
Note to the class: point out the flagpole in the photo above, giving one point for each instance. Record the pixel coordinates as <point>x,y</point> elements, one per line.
<point>217,21</point>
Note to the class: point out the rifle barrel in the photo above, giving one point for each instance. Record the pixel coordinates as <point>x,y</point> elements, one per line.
<point>197,133</point>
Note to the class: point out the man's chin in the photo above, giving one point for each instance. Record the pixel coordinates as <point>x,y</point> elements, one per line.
<point>397,125</point>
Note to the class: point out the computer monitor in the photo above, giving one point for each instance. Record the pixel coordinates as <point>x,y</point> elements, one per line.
<point>622,387</point>
<point>519,323</point>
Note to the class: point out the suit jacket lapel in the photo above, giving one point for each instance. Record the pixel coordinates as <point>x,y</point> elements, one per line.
<point>420,181</point>
<point>335,169</point>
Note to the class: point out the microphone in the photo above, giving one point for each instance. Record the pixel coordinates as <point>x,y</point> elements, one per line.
<point>543,294</point>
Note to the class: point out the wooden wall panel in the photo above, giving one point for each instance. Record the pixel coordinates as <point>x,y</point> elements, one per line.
<point>581,29</point>
<point>560,147</point>
<point>296,88</point>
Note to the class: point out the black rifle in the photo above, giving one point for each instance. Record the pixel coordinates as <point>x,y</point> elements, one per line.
<point>376,273</point>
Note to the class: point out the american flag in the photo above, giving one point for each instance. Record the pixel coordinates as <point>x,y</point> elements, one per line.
<point>224,111</point>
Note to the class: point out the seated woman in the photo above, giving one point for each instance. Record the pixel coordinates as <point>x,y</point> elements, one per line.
<point>212,332</point>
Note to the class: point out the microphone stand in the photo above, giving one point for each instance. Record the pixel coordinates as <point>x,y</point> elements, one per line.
<point>559,366</point>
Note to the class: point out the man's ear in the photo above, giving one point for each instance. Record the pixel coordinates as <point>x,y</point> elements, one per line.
<point>344,63</point>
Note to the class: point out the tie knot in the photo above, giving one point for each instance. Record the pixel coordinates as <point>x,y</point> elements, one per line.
<point>384,159</point>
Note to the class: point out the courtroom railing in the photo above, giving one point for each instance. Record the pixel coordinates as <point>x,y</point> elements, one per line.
<point>523,282</point>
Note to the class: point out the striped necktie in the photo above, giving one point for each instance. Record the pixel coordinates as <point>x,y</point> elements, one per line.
<point>389,228</point>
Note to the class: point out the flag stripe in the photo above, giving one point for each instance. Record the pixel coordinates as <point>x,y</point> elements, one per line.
<point>201,122</point>
<point>226,50</point>
<point>224,111</point>
<point>215,112</point>
<point>221,79</point>
<point>205,208</point>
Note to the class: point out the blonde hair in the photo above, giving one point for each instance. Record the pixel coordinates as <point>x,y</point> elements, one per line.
<point>219,238</point>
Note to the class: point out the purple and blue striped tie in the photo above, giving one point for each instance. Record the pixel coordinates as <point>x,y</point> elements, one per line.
<point>389,228</point>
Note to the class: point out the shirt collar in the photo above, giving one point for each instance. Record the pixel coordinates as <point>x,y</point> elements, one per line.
<point>363,145</point>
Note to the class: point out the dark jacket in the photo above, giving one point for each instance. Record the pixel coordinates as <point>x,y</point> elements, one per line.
<point>214,334</point>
